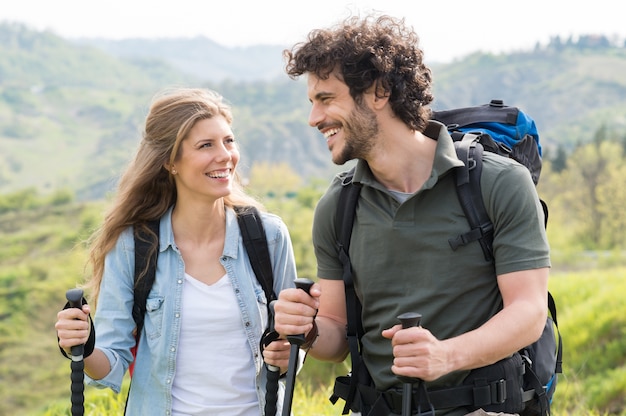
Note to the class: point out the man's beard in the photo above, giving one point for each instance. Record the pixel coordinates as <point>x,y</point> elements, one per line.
<point>360,131</point>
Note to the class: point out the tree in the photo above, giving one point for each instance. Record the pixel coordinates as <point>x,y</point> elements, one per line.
<point>559,162</point>
<point>273,180</point>
<point>592,194</point>
<point>611,198</point>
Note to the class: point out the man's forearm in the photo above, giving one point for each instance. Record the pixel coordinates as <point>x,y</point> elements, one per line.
<point>331,343</point>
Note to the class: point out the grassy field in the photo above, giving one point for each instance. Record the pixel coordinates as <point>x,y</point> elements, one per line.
<point>42,255</point>
<point>592,321</point>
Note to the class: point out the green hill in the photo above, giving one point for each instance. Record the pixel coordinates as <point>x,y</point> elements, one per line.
<point>71,112</point>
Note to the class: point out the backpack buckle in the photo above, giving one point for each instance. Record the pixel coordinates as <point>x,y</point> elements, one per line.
<point>498,391</point>
<point>489,393</point>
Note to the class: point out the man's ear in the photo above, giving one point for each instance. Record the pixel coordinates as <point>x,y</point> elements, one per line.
<point>380,96</point>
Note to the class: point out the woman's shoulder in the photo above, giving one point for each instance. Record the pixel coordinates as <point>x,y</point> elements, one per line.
<point>126,240</point>
<point>272,222</point>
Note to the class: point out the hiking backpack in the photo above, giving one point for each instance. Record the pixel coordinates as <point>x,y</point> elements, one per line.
<point>255,243</point>
<point>496,128</point>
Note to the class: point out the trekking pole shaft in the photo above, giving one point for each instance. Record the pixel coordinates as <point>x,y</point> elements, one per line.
<point>408,320</point>
<point>291,374</point>
<point>273,375</point>
<point>271,392</point>
<point>75,297</point>
<point>296,341</point>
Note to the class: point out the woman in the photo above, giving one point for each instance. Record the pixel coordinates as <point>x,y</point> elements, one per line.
<point>198,352</point>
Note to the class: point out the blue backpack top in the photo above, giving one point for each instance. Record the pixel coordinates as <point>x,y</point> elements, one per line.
<point>506,130</point>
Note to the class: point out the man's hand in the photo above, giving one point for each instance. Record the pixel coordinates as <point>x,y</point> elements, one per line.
<point>417,353</point>
<point>295,310</point>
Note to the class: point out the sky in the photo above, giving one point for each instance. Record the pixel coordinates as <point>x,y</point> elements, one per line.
<point>448,29</point>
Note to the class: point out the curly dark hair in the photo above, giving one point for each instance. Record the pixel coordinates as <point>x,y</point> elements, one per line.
<point>366,51</point>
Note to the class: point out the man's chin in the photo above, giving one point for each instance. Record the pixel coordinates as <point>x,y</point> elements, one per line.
<point>341,157</point>
<point>340,161</point>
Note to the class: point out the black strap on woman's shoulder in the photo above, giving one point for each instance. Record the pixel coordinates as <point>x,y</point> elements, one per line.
<point>255,242</point>
<point>146,253</point>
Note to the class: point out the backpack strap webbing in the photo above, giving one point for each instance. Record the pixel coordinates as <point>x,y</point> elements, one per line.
<point>146,238</point>
<point>470,152</point>
<point>255,242</point>
<point>344,221</point>
<point>559,351</point>
<point>146,252</point>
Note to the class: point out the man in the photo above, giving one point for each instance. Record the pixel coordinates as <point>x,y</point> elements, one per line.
<point>370,92</point>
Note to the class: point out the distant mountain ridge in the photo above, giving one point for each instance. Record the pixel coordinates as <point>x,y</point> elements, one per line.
<point>71,111</point>
<point>201,57</point>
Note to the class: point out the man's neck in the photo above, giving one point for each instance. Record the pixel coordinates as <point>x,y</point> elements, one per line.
<point>403,162</point>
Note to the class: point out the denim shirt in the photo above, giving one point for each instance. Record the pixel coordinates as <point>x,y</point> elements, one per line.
<point>155,364</point>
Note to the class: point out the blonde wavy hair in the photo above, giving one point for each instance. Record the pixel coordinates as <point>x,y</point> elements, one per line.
<point>146,189</point>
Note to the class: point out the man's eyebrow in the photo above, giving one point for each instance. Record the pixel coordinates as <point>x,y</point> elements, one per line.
<point>321,95</point>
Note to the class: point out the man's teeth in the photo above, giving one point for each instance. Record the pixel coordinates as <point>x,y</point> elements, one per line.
<point>331,132</point>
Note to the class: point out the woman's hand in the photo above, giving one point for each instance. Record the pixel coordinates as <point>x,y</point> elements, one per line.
<point>277,354</point>
<point>72,327</point>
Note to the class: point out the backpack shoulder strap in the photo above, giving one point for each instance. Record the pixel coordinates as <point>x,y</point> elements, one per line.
<point>469,151</point>
<point>146,253</point>
<point>467,178</point>
<point>344,221</point>
<point>255,242</point>
<point>559,352</point>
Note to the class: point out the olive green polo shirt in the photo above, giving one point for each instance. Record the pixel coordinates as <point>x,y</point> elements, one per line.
<point>402,260</point>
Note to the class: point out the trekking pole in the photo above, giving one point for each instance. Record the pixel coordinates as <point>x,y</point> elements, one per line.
<point>273,374</point>
<point>408,320</point>
<point>75,297</point>
<point>295,341</point>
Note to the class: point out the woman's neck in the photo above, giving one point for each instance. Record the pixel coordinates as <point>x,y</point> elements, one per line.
<point>199,223</point>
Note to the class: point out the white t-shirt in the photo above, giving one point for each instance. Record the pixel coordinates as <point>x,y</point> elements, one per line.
<point>215,372</point>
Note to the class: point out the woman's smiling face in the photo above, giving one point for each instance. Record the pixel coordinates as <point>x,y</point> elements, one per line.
<point>206,162</point>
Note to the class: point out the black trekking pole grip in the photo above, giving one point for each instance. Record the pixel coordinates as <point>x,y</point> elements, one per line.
<point>296,341</point>
<point>304,284</point>
<point>408,320</point>
<point>75,299</point>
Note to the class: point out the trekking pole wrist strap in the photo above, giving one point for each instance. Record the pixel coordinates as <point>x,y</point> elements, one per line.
<point>310,338</point>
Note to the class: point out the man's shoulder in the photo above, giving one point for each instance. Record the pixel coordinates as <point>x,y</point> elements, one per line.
<point>330,197</point>
<point>494,165</point>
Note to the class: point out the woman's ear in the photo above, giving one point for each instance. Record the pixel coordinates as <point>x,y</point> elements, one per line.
<point>170,168</point>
